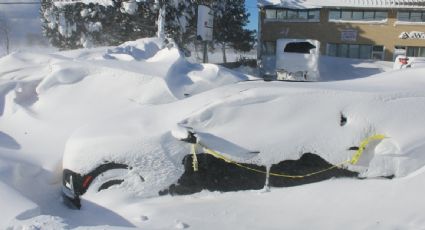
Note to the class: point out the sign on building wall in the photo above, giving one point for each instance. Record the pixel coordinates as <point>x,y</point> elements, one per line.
<point>349,35</point>
<point>205,23</point>
<point>412,35</point>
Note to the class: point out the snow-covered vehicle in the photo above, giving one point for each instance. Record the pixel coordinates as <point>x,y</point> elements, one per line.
<point>297,59</point>
<point>403,61</point>
<point>241,132</point>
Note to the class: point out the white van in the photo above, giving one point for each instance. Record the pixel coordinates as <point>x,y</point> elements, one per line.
<point>297,59</point>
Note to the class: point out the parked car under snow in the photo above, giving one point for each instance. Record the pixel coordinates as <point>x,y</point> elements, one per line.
<point>261,127</point>
<point>402,61</point>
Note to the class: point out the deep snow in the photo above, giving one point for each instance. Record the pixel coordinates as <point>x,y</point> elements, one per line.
<point>122,103</point>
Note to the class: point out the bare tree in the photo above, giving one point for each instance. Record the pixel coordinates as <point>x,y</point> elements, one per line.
<point>4,31</point>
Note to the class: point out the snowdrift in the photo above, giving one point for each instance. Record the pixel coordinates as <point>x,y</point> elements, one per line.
<point>78,109</point>
<point>44,98</point>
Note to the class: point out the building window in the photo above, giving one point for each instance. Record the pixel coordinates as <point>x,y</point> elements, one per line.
<point>331,50</point>
<point>354,51</point>
<point>415,51</point>
<point>334,15</point>
<point>357,15</point>
<point>310,15</point>
<point>410,51</point>
<point>378,52</point>
<point>269,48</point>
<point>270,14</point>
<point>342,50</point>
<point>358,51</point>
<point>292,14</point>
<point>381,15</point>
<point>281,14</point>
<point>303,15</point>
<point>346,15</point>
<point>411,16</point>
<point>365,52</point>
<point>368,15</point>
<point>314,15</point>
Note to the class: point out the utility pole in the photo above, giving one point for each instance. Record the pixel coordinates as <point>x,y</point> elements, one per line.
<point>205,56</point>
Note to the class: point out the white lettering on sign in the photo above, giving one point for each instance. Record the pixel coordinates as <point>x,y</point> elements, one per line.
<point>349,35</point>
<point>412,35</point>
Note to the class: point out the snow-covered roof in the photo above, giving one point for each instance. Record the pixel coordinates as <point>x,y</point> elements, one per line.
<point>302,4</point>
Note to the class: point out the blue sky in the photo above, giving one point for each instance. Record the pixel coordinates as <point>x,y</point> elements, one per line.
<point>251,6</point>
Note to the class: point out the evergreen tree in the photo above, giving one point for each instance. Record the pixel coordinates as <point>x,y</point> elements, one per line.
<point>76,25</point>
<point>180,22</point>
<point>229,21</point>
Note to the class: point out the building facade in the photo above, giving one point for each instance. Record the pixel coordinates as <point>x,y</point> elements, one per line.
<point>363,29</point>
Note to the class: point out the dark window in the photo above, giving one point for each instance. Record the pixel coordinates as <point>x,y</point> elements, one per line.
<point>381,15</point>
<point>314,15</point>
<point>416,16</point>
<point>369,15</point>
<point>281,14</point>
<point>310,15</point>
<point>365,51</point>
<point>299,47</point>
<point>355,51</point>
<point>270,14</point>
<point>331,50</point>
<point>346,15</point>
<point>292,14</point>
<point>411,16</point>
<point>335,14</point>
<point>357,15</point>
<point>415,51</point>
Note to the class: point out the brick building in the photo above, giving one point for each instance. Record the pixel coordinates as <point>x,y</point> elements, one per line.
<point>364,29</point>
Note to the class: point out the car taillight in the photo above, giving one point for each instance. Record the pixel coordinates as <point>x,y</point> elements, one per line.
<point>403,60</point>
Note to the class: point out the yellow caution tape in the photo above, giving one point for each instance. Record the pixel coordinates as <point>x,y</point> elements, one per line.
<point>363,145</point>
<point>353,160</point>
<point>194,158</point>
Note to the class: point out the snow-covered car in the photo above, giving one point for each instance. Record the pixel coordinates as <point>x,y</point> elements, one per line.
<point>403,61</point>
<point>297,59</point>
<point>240,132</point>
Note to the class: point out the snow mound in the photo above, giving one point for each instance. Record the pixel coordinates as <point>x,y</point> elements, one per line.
<point>135,50</point>
<point>277,134</point>
<point>81,108</point>
<point>46,98</point>
<point>18,206</point>
<point>186,79</point>
<point>62,73</point>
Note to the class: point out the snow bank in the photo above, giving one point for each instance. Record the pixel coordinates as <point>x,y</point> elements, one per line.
<point>44,98</point>
<point>135,50</point>
<point>17,205</point>
<point>84,107</point>
<point>369,109</point>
